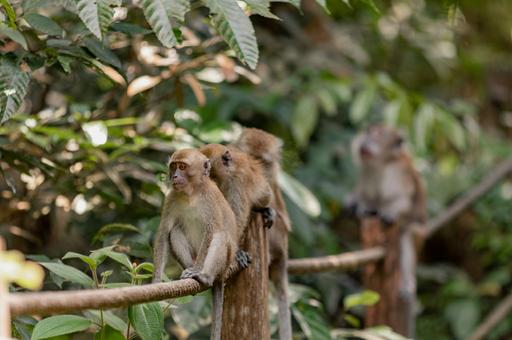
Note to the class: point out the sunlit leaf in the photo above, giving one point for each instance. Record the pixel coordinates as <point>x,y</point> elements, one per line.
<point>365,298</point>
<point>13,87</point>
<point>158,17</point>
<point>69,273</point>
<point>299,194</point>
<point>236,29</point>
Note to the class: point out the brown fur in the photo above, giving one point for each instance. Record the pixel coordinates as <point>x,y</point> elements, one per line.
<point>241,180</point>
<point>391,188</point>
<point>267,149</point>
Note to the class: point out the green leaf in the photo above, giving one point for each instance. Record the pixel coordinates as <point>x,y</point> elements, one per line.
<point>109,333</point>
<point>114,228</point>
<point>311,321</point>
<point>362,104</point>
<point>463,316</point>
<point>299,194</point>
<point>110,318</point>
<point>177,9</point>
<point>147,319</point>
<point>105,14</point>
<point>13,87</point>
<point>43,24</point>
<point>157,16</point>
<point>101,254</point>
<point>11,14</point>
<point>72,255</point>
<point>60,325</point>
<point>68,273</point>
<point>14,35</point>
<point>149,267</point>
<point>365,298</point>
<point>261,7</point>
<point>236,28</point>
<point>304,119</point>
<point>65,62</point>
<point>128,28</point>
<point>104,54</point>
<point>88,13</point>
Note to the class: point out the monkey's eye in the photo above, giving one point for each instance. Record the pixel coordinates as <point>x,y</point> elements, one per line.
<point>182,166</point>
<point>172,166</point>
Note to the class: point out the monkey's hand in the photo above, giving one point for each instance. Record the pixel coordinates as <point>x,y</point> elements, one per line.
<point>243,258</point>
<point>193,273</point>
<point>268,215</point>
<point>387,219</point>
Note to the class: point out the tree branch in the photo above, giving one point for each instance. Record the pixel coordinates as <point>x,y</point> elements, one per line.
<point>461,204</point>
<point>498,314</point>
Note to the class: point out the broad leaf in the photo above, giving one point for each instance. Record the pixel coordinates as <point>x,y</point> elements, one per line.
<point>236,29</point>
<point>304,119</point>
<point>110,319</point>
<point>88,13</point>
<point>72,255</point>
<point>114,228</point>
<point>69,273</point>
<point>13,87</point>
<point>177,9</point>
<point>365,298</point>
<point>147,319</point>
<point>158,17</point>
<point>104,54</point>
<point>14,35</point>
<point>100,254</point>
<point>299,194</point>
<point>43,24</point>
<point>261,7</point>
<point>60,325</point>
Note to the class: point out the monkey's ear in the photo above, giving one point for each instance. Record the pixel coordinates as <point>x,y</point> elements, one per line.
<point>207,167</point>
<point>226,158</point>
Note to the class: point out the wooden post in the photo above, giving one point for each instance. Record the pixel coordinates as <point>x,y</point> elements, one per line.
<point>5,316</point>
<point>245,314</point>
<point>394,309</point>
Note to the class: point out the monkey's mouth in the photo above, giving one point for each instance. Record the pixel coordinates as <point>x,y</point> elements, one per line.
<point>365,153</point>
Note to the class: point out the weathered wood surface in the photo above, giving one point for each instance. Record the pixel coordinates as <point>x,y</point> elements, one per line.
<point>384,277</point>
<point>245,314</point>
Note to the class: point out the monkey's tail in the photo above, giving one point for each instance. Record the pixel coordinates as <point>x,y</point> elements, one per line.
<point>218,301</point>
<point>279,277</point>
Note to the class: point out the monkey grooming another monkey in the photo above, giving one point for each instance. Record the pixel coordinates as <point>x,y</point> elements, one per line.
<point>198,227</point>
<point>242,181</point>
<point>266,148</point>
<point>390,188</point>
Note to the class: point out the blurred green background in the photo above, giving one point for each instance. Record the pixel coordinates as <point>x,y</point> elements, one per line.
<point>89,144</point>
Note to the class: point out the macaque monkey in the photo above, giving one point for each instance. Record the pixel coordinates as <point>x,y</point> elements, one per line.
<point>242,181</point>
<point>198,227</point>
<point>390,188</point>
<point>266,148</point>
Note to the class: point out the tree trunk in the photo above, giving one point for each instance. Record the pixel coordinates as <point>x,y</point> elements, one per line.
<point>245,314</point>
<point>385,277</point>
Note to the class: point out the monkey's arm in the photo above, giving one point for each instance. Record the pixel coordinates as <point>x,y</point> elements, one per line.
<point>211,260</point>
<point>181,248</point>
<point>161,250</point>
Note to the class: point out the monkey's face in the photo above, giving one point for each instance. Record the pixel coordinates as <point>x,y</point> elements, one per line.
<point>187,168</point>
<point>221,160</point>
<point>380,144</point>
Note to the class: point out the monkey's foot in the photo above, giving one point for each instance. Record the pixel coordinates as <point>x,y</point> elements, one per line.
<point>268,215</point>
<point>243,258</point>
<point>188,273</point>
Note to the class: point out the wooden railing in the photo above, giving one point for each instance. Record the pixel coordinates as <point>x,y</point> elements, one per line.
<point>376,255</point>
